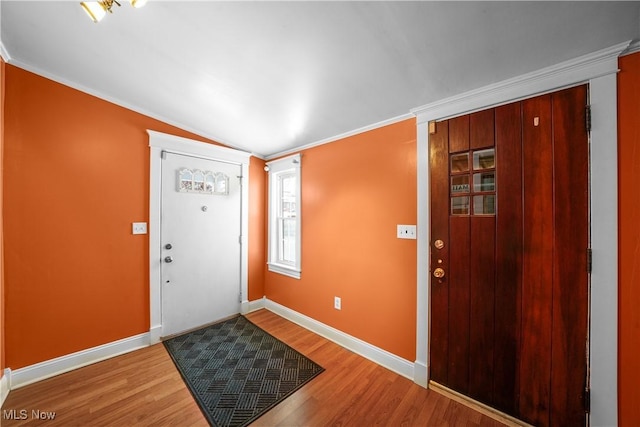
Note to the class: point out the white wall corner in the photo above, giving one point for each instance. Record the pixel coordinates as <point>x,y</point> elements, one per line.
<point>5,386</point>
<point>49,368</point>
<point>377,355</point>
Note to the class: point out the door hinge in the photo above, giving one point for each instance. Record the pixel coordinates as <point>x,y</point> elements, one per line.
<point>587,400</point>
<point>589,260</point>
<point>163,155</point>
<point>587,118</point>
<point>240,239</point>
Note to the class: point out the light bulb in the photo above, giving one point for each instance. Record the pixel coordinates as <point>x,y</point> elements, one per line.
<point>138,3</point>
<point>94,9</point>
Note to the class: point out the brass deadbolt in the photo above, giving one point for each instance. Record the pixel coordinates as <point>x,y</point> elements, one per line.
<point>438,273</point>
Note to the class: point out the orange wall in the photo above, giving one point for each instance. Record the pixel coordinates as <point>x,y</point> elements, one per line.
<point>76,174</point>
<point>354,192</point>
<point>629,223</point>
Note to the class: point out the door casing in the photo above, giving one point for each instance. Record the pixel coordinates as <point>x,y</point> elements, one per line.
<point>158,143</point>
<point>598,70</point>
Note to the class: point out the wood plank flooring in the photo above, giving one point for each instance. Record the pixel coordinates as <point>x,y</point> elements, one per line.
<point>143,388</point>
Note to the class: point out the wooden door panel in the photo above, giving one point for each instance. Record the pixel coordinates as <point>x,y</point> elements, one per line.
<point>458,283</point>
<point>570,278</point>
<point>481,129</point>
<point>482,299</point>
<point>508,125</point>
<point>537,265</point>
<point>439,178</point>
<point>509,321</point>
<point>459,134</point>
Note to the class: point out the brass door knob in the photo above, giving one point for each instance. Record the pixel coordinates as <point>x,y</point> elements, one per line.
<point>438,273</point>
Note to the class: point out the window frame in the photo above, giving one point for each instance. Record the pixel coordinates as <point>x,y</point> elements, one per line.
<point>290,165</point>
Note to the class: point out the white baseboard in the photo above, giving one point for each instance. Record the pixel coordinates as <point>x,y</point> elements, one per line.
<point>420,371</point>
<point>375,354</point>
<point>254,305</point>
<point>5,386</point>
<point>154,334</point>
<point>49,368</point>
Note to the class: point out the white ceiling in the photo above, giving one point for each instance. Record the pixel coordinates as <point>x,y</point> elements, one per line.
<point>271,76</point>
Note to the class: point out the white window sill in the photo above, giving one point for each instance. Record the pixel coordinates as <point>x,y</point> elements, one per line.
<point>287,271</point>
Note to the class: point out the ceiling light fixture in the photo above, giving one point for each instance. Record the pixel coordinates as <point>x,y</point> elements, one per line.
<point>98,9</point>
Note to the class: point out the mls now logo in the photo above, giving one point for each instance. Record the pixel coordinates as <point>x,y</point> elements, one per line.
<point>14,414</point>
<point>23,414</point>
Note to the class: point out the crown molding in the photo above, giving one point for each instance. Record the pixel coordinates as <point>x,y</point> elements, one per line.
<point>119,102</point>
<point>634,47</point>
<point>4,53</point>
<point>571,72</point>
<point>342,136</point>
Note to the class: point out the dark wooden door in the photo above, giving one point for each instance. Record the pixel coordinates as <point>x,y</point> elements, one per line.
<point>510,233</point>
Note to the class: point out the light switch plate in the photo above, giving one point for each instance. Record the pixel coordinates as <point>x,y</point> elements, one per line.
<point>406,231</point>
<point>139,228</point>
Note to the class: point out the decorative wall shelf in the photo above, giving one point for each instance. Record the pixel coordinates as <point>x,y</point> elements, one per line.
<point>203,182</point>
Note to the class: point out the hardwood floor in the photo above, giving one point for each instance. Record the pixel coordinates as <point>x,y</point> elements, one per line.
<point>143,388</point>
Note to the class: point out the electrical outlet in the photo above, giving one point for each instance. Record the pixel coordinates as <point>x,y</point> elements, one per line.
<point>139,228</point>
<point>406,231</point>
<point>337,303</point>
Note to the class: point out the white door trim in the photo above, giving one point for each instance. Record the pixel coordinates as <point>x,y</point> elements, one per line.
<point>599,70</point>
<point>159,142</point>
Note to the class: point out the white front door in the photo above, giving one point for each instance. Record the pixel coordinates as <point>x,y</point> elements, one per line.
<point>200,238</point>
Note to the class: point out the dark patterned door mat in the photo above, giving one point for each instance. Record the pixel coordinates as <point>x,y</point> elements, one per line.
<point>237,372</point>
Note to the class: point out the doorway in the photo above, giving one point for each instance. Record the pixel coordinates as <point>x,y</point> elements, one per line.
<point>161,145</point>
<point>200,230</point>
<point>509,244</point>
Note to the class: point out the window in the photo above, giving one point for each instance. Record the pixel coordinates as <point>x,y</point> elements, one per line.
<point>473,184</point>
<point>284,216</point>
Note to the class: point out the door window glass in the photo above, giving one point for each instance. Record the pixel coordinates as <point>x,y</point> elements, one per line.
<point>485,181</point>
<point>460,205</point>
<point>484,204</point>
<point>460,184</point>
<point>459,162</point>
<point>484,159</point>
<point>478,185</point>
